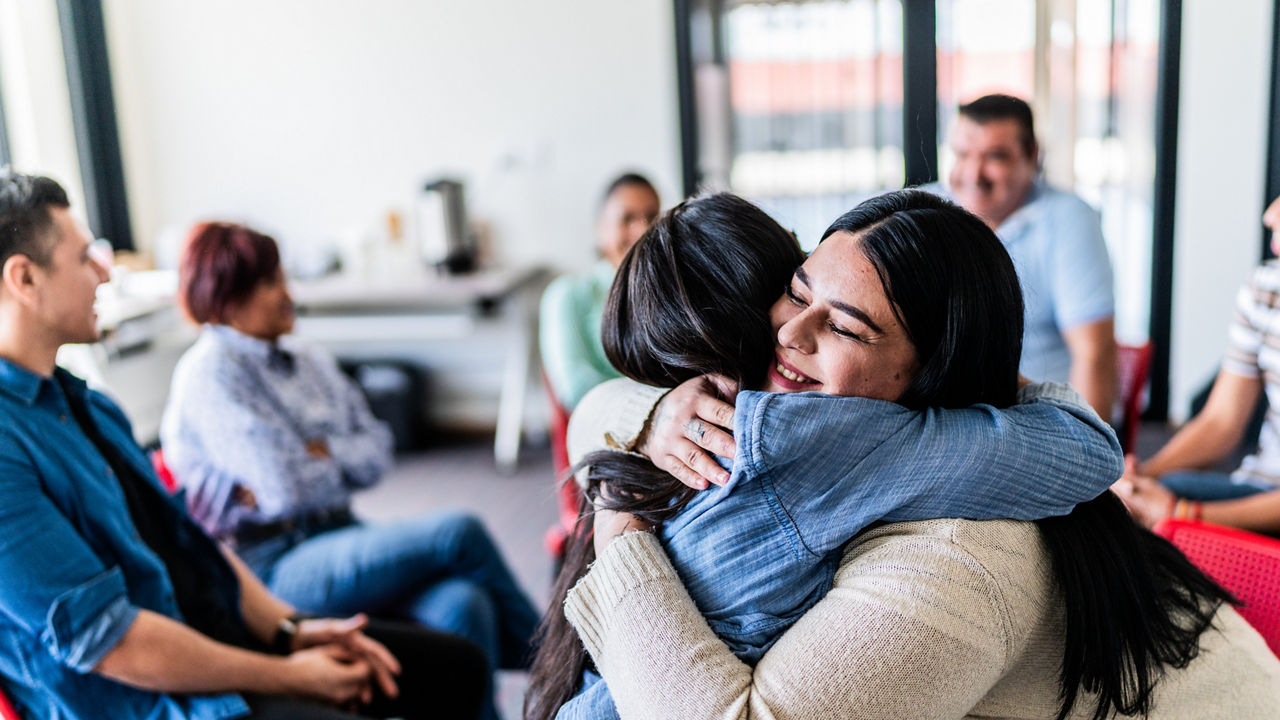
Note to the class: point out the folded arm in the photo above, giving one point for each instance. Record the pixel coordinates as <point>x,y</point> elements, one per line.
<point>838,464</point>
<point>232,440</point>
<point>363,448</point>
<point>861,652</point>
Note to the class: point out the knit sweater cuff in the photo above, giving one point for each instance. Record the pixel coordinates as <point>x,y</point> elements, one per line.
<point>611,417</point>
<point>631,560</point>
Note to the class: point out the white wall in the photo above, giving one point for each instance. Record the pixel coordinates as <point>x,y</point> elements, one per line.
<point>312,117</point>
<point>1222,150</point>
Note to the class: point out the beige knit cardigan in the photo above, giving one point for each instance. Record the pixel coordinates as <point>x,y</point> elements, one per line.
<point>935,619</point>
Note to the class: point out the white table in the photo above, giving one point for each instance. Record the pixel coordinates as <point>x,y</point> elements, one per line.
<point>411,307</point>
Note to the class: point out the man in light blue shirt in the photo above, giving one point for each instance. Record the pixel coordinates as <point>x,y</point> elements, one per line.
<point>1055,240</point>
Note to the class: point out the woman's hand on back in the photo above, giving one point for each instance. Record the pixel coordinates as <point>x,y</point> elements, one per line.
<point>689,424</point>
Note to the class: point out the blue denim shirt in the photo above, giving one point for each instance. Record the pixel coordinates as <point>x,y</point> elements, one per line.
<point>73,571</point>
<point>813,470</point>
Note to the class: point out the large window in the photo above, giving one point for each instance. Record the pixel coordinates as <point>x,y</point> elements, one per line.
<point>35,101</point>
<point>1089,69</point>
<point>800,104</point>
<point>800,107</point>
<point>57,110</point>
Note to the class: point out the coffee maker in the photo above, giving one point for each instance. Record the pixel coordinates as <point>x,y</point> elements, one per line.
<point>444,239</point>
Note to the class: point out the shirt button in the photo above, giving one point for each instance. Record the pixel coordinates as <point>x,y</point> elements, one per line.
<point>62,418</point>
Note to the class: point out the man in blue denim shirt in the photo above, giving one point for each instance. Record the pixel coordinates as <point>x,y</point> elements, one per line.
<point>100,571</point>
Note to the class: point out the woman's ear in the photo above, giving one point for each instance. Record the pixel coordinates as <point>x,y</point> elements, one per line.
<point>18,278</point>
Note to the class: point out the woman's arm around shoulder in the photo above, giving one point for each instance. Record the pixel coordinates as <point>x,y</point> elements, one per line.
<point>915,627</point>
<point>860,460</point>
<point>362,444</point>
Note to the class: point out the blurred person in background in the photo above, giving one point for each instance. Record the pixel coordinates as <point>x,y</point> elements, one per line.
<point>569,336</point>
<point>114,602</point>
<point>270,440</point>
<point>1175,481</point>
<point>1055,240</point>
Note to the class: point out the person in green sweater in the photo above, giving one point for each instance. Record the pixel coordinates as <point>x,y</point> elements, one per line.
<point>569,338</point>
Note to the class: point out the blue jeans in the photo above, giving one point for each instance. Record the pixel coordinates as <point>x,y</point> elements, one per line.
<point>441,570</point>
<point>1208,485</point>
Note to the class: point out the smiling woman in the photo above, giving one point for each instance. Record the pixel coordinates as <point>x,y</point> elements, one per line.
<point>694,296</point>
<point>924,617</point>
<point>840,307</point>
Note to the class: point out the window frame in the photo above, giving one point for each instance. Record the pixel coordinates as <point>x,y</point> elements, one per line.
<point>6,154</point>
<point>920,144</point>
<point>93,117</point>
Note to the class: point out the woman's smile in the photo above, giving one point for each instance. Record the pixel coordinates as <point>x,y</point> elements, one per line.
<point>788,377</point>
<point>836,329</point>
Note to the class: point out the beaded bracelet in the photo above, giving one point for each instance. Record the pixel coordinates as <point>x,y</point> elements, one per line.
<point>1184,509</point>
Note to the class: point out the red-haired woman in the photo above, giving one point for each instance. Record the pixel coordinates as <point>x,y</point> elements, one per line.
<point>270,440</point>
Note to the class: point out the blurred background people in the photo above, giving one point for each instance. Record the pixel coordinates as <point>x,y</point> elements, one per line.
<point>270,440</point>
<point>114,603</point>
<point>1055,240</point>
<point>569,335</point>
<point>1175,481</point>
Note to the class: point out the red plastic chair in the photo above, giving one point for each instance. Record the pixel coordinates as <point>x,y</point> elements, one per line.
<point>1133,365</point>
<point>568,495</point>
<point>163,472</point>
<point>1246,564</point>
<point>7,711</point>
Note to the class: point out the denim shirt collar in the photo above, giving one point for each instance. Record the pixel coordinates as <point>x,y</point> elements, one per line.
<point>24,385</point>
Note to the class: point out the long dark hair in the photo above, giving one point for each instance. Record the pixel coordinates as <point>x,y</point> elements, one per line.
<point>692,297</point>
<point>954,290</point>
<point>1133,603</point>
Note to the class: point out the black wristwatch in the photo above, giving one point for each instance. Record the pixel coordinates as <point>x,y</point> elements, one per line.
<point>286,631</point>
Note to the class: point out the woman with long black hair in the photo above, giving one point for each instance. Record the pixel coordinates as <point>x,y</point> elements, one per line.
<point>904,301</point>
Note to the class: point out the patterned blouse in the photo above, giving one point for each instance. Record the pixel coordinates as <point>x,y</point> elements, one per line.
<point>241,415</point>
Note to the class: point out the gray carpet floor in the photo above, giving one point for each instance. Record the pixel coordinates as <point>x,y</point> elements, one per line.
<point>517,509</point>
